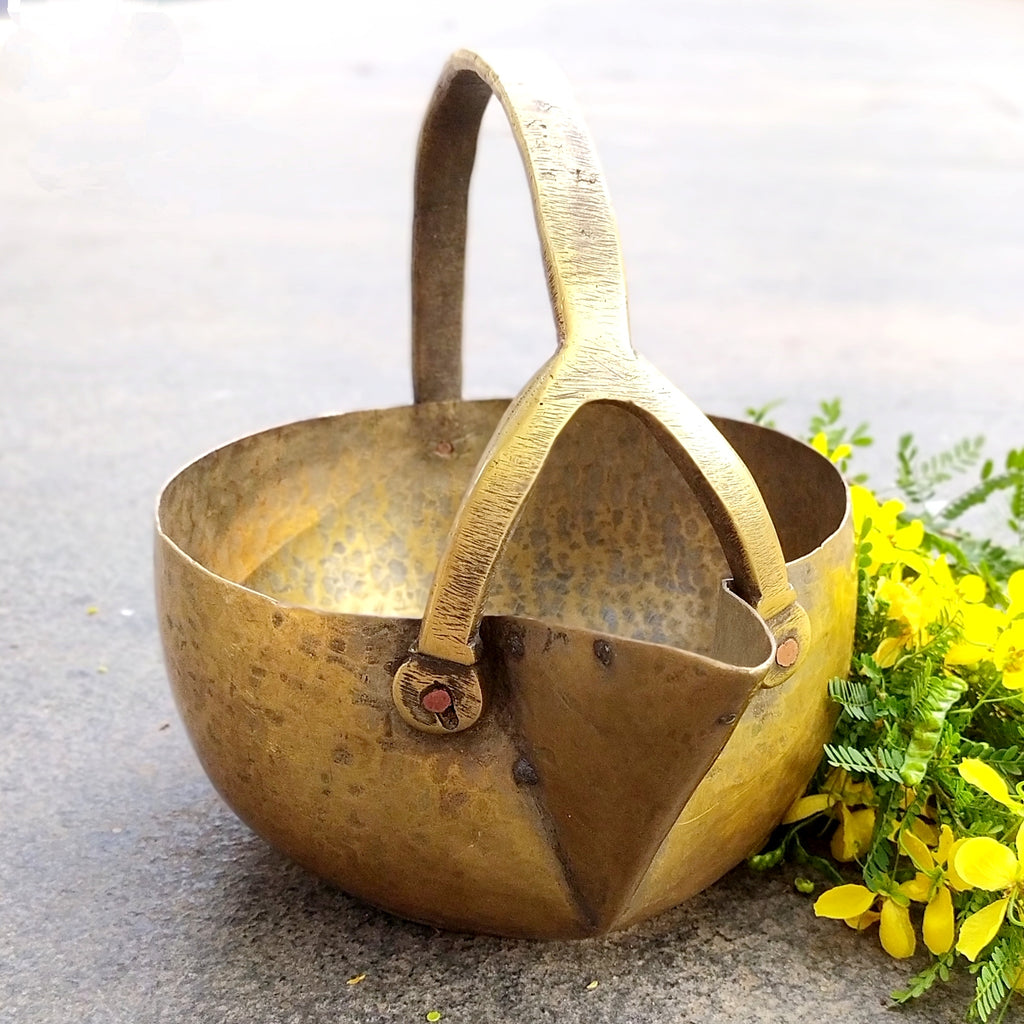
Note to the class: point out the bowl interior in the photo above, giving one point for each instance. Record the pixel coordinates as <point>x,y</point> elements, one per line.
<point>348,514</point>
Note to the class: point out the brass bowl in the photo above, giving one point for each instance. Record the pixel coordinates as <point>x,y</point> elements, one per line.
<point>619,681</point>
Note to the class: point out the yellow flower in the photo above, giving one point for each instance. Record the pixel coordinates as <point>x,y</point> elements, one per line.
<point>820,444</point>
<point>840,794</point>
<point>919,607</point>
<point>925,830</point>
<point>854,834</point>
<point>984,863</point>
<point>989,781</point>
<point>844,902</point>
<point>853,903</point>
<point>943,592</point>
<point>963,603</point>
<point>1009,655</point>
<point>981,928</point>
<point>979,625</point>
<point>972,589</point>
<point>906,612</point>
<point>838,788</point>
<point>933,885</point>
<point>892,543</point>
<point>1015,590</point>
<point>895,931</point>
<point>805,806</point>
<point>938,929</point>
<point>931,599</point>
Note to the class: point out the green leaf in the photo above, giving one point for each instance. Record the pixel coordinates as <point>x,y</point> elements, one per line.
<point>760,414</point>
<point>767,859</point>
<point>976,495</point>
<point>855,697</point>
<point>919,479</point>
<point>1009,761</point>
<point>924,980</point>
<point>883,762</point>
<point>992,990</point>
<point>1017,504</point>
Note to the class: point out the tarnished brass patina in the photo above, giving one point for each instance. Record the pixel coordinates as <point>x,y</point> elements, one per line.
<point>538,668</point>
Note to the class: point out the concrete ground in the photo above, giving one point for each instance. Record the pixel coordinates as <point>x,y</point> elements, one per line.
<point>204,220</point>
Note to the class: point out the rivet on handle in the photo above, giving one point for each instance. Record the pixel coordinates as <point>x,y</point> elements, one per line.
<point>437,696</point>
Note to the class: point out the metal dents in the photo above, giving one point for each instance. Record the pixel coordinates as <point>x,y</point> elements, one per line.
<point>537,668</point>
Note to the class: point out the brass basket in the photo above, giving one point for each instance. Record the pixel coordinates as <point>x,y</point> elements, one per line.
<point>539,668</point>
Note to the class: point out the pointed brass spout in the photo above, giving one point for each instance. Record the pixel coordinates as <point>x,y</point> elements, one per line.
<point>619,735</point>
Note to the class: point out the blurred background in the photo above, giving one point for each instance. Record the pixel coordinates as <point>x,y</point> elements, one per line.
<point>204,229</point>
<point>815,199</point>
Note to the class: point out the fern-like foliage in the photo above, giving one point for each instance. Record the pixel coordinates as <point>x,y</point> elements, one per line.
<point>994,987</point>
<point>1016,520</point>
<point>905,728</point>
<point>882,762</point>
<point>919,478</point>
<point>855,697</point>
<point>839,439</point>
<point>977,495</point>
<point>924,980</point>
<point>761,414</point>
<point>827,421</point>
<point>879,860</point>
<point>1009,761</point>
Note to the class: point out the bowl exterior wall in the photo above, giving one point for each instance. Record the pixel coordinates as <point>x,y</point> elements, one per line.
<point>289,709</point>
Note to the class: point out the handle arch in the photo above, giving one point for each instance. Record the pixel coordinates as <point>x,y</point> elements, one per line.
<point>579,239</point>
<point>438,689</point>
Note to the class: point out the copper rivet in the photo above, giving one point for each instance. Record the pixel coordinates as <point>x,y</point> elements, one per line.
<point>436,700</point>
<point>787,652</point>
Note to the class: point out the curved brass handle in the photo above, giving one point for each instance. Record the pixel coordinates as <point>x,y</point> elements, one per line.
<point>579,240</point>
<point>437,689</point>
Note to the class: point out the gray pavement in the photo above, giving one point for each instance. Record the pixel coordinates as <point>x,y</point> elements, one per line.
<point>204,221</point>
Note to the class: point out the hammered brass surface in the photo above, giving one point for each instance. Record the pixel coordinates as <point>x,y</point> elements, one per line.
<point>500,666</point>
<point>365,551</point>
<point>289,705</point>
<point>777,744</point>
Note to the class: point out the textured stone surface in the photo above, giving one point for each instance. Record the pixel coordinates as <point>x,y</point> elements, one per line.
<point>204,220</point>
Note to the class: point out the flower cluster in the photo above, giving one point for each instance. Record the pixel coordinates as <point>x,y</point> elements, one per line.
<point>922,596</point>
<point>918,789</point>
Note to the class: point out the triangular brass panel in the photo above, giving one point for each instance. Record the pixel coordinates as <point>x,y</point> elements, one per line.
<point>619,734</point>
